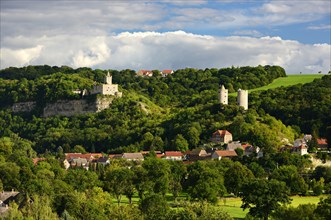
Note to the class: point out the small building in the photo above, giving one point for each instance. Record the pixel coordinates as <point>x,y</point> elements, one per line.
<point>250,149</point>
<point>5,198</point>
<point>219,154</point>
<point>173,155</point>
<point>133,156</point>
<point>197,154</point>
<point>145,73</point>
<point>301,150</point>
<point>298,142</point>
<point>223,136</point>
<point>322,144</point>
<point>165,73</point>
<point>233,145</point>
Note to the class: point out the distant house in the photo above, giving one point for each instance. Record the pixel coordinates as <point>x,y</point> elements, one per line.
<point>299,142</point>
<point>102,160</point>
<point>37,160</point>
<point>145,73</point>
<point>173,155</point>
<point>79,159</point>
<point>250,149</point>
<point>301,150</point>
<point>115,156</point>
<point>5,198</point>
<point>219,154</point>
<point>165,73</point>
<point>233,145</point>
<point>221,136</point>
<point>133,156</point>
<point>197,154</point>
<point>322,143</point>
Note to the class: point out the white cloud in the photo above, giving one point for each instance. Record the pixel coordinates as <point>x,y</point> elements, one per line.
<point>253,33</point>
<point>19,57</point>
<point>175,50</point>
<point>320,27</point>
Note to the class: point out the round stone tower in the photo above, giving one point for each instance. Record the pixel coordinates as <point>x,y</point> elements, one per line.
<point>223,95</point>
<point>242,98</point>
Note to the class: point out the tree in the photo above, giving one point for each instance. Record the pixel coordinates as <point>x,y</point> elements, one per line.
<point>181,143</point>
<point>204,183</point>
<point>236,176</point>
<point>323,209</point>
<point>116,181</point>
<point>263,196</point>
<point>302,212</point>
<point>154,206</point>
<point>293,180</point>
<point>177,175</point>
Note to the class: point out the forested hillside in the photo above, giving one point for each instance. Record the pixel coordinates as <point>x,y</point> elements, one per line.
<point>178,112</point>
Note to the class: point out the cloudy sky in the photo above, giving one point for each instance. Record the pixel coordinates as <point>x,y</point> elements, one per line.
<point>166,34</point>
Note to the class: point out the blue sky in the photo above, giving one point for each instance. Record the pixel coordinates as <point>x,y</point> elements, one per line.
<point>163,34</point>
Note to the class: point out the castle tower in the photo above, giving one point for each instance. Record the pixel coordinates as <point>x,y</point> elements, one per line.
<point>108,79</point>
<point>223,95</point>
<point>242,98</point>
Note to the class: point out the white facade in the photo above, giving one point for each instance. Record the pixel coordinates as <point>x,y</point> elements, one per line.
<point>242,98</point>
<point>223,95</point>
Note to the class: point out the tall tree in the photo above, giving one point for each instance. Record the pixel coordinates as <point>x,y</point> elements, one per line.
<point>263,196</point>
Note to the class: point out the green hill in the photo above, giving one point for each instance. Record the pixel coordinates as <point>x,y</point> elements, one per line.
<point>290,80</point>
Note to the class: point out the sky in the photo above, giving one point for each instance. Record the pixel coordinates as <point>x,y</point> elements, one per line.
<point>166,34</point>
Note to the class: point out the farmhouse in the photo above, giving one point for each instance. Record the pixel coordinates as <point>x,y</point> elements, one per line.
<point>219,154</point>
<point>173,155</point>
<point>223,136</point>
<point>145,73</point>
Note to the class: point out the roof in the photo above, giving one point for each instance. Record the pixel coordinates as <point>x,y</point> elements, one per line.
<point>226,153</point>
<point>113,156</point>
<point>322,141</point>
<point>167,71</point>
<point>133,156</point>
<point>222,133</point>
<point>302,147</point>
<point>173,154</point>
<point>233,145</point>
<point>8,195</point>
<point>80,155</point>
<point>199,152</point>
<point>36,160</point>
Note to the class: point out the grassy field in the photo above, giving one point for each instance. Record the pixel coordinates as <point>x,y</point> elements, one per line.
<point>290,80</point>
<point>232,205</point>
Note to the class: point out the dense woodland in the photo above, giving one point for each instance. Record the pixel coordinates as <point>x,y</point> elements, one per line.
<point>177,112</point>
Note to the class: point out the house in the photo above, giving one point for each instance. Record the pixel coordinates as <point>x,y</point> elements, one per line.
<point>173,155</point>
<point>165,73</point>
<point>133,156</point>
<point>102,160</point>
<point>223,136</point>
<point>322,143</point>
<point>115,156</point>
<point>5,198</point>
<point>37,160</point>
<point>145,73</point>
<point>107,88</point>
<point>299,142</point>
<point>197,154</point>
<point>219,154</point>
<point>250,149</point>
<point>79,159</point>
<point>233,145</point>
<point>301,150</point>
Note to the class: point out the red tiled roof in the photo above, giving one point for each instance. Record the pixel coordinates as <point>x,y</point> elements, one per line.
<point>322,141</point>
<point>302,147</point>
<point>36,160</point>
<point>173,154</point>
<point>167,71</point>
<point>222,133</point>
<point>226,153</point>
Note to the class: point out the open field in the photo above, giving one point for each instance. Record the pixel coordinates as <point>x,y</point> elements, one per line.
<point>290,80</point>
<point>230,204</point>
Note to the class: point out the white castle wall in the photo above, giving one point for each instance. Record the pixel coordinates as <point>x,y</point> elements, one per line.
<point>223,95</point>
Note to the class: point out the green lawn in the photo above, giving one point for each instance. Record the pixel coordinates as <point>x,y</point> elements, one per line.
<point>232,205</point>
<point>290,80</point>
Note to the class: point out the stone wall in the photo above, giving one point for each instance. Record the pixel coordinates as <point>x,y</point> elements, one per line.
<point>23,107</point>
<point>67,107</point>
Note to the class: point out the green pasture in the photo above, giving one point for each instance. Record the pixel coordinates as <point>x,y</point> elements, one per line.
<point>228,204</point>
<point>290,80</point>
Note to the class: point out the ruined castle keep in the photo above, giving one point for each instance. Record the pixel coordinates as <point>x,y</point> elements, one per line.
<point>107,90</point>
<point>242,97</point>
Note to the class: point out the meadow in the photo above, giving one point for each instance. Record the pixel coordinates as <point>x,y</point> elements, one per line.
<point>229,204</point>
<point>290,80</point>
